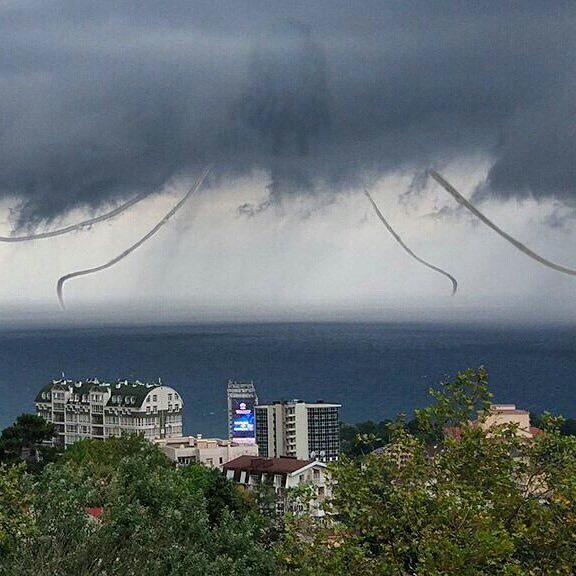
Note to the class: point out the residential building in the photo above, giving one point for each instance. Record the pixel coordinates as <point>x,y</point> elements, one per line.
<point>299,429</point>
<point>211,452</point>
<point>499,414</point>
<point>283,475</point>
<point>242,398</point>
<point>93,409</point>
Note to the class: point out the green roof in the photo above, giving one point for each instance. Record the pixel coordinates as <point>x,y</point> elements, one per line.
<point>122,391</point>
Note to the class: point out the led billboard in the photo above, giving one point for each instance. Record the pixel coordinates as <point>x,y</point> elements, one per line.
<point>243,420</point>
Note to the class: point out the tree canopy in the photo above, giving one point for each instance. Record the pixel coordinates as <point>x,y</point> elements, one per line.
<point>155,518</point>
<point>485,502</point>
<point>27,441</point>
<point>488,503</point>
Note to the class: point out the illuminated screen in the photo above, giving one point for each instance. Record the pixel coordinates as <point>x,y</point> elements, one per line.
<point>243,425</point>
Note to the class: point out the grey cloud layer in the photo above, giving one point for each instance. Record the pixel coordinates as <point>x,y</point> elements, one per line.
<point>101,100</point>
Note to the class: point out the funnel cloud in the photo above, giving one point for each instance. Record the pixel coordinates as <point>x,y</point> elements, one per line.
<point>396,237</point>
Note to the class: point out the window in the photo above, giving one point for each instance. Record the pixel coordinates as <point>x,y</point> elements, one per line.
<point>155,398</point>
<point>169,397</point>
<point>147,409</point>
<point>147,398</point>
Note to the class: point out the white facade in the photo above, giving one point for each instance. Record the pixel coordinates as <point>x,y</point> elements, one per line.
<point>284,475</point>
<point>93,409</point>
<point>212,452</point>
<point>299,429</point>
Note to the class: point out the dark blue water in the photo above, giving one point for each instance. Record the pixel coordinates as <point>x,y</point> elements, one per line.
<point>374,370</point>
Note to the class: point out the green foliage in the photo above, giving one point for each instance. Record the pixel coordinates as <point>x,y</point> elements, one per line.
<point>490,503</point>
<point>456,402</point>
<point>566,426</point>
<point>15,501</point>
<point>25,440</point>
<point>361,438</point>
<point>157,519</point>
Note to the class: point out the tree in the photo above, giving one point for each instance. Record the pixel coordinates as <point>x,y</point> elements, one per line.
<point>361,438</point>
<point>156,519</point>
<point>27,440</point>
<point>489,503</point>
<point>16,520</point>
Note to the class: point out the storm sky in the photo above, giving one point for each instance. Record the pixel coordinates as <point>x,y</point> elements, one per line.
<point>298,107</point>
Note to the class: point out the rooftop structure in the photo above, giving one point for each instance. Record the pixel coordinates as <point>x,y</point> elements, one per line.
<point>299,429</point>
<point>94,409</point>
<point>212,452</point>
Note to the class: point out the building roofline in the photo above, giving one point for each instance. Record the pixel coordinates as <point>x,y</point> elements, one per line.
<point>123,388</point>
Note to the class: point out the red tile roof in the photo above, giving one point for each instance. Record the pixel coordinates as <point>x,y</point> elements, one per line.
<point>252,464</point>
<point>95,512</point>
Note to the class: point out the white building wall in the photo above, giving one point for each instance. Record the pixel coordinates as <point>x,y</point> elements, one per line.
<point>79,413</point>
<point>212,452</point>
<point>288,428</point>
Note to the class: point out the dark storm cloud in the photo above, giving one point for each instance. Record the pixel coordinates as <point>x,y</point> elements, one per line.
<point>103,100</point>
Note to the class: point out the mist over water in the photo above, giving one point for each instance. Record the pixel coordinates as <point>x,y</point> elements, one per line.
<point>374,369</point>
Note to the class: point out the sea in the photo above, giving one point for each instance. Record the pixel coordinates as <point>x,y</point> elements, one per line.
<point>375,370</point>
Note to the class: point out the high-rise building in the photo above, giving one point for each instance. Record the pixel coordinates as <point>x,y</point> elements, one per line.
<point>93,409</point>
<point>299,429</point>
<point>241,422</point>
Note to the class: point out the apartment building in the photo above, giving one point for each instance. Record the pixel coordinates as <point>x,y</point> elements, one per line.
<point>299,429</point>
<point>498,415</point>
<point>283,475</point>
<point>93,409</point>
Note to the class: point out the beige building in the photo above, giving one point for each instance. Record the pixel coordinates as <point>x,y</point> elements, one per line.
<point>211,452</point>
<point>497,415</point>
<point>500,414</point>
<point>93,409</point>
<point>284,475</point>
<point>304,430</point>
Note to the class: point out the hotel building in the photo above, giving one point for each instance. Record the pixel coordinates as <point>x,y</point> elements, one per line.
<point>299,429</point>
<point>93,409</point>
